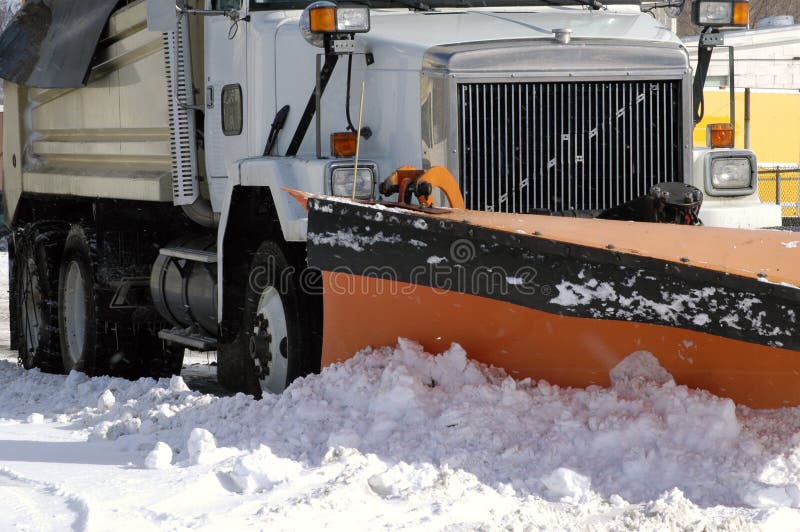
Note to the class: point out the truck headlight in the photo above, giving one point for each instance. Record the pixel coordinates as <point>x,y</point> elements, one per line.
<point>352,19</point>
<point>342,179</point>
<point>324,17</point>
<point>731,173</point>
<point>721,13</point>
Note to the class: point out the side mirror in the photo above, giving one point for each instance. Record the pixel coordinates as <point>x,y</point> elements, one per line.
<point>721,13</point>
<point>162,15</point>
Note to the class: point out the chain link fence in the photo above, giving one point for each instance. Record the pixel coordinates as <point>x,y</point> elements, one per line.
<point>781,185</point>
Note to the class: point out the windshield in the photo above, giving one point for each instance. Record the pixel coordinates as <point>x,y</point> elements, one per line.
<point>290,4</point>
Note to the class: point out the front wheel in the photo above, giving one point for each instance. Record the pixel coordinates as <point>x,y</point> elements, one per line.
<point>273,346</point>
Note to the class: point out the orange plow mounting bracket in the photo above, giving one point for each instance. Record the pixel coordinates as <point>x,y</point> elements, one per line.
<point>407,181</point>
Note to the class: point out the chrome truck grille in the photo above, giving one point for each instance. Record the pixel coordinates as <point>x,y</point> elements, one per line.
<point>567,147</point>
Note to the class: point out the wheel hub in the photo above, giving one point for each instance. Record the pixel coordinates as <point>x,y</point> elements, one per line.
<point>269,342</point>
<point>260,342</point>
<point>75,309</point>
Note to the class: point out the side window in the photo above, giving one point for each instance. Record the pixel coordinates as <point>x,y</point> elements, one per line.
<point>227,5</point>
<point>232,109</point>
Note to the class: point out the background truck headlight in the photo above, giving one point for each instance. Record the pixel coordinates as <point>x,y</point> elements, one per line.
<point>731,173</point>
<point>721,13</point>
<point>341,180</point>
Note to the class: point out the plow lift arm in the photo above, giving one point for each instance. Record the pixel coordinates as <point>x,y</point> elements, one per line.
<point>408,182</point>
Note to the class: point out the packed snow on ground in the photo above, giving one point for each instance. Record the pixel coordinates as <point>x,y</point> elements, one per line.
<point>394,438</point>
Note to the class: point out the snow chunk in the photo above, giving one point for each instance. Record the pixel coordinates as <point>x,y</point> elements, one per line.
<point>420,224</point>
<point>201,445</point>
<point>35,419</point>
<point>700,425</point>
<point>262,470</point>
<point>160,457</point>
<point>450,369</point>
<point>106,401</point>
<point>74,379</point>
<point>568,485</point>
<point>760,495</point>
<point>176,384</point>
<point>349,239</point>
<point>638,369</point>
<point>790,245</point>
<point>403,478</point>
<point>573,295</point>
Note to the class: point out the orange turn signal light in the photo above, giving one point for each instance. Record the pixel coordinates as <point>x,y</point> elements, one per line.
<point>741,14</point>
<point>719,136</point>
<point>322,19</point>
<point>343,144</point>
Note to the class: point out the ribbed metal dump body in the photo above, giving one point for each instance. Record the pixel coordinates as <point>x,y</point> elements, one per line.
<point>567,146</point>
<point>110,138</point>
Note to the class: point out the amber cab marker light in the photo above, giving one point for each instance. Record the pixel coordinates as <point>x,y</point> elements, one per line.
<point>720,136</point>
<point>741,14</point>
<point>343,144</point>
<point>322,20</point>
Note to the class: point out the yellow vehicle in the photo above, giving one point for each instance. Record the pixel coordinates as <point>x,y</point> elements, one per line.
<point>774,136</point>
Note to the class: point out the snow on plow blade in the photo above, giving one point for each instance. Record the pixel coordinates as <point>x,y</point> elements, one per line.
<point>564,299</point>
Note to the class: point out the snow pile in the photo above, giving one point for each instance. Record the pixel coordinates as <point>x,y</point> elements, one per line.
<point>402,438</point>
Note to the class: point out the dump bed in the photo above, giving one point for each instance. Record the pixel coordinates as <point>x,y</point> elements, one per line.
<point>110,138</point>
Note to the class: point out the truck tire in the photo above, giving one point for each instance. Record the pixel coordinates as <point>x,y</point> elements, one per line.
<point>82,337</point>
<point>89,341</point>
<point>76,304</point>
<point>272,347</point>
<point>37,257</point>
<point>13,306</point>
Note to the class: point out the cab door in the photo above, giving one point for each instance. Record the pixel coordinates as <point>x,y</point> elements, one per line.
<point>226,128</point>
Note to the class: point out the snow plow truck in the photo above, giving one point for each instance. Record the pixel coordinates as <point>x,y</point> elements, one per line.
<point>205,174</point>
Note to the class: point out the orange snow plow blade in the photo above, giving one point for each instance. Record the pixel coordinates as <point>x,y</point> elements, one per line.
<point>564,299</point>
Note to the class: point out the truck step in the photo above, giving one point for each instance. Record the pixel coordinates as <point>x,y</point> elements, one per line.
<point>189,338</point>
<point>194,255</point>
